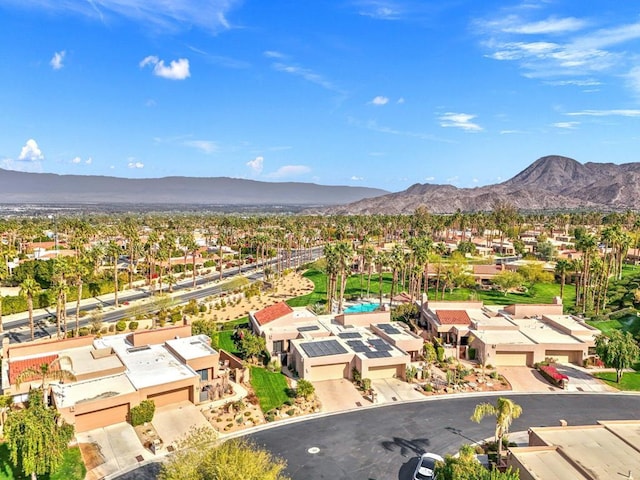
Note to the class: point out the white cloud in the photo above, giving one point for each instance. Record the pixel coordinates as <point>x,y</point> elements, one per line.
<point>163,15</point>
<point>31,152</point>
<point>591,82</point>
<point>606,113</point>
<point>380,9</point>
<point>133,164</point>
<point>177,69</point>
<point>401,100</point>
<point>475,180</point>
<point>453,179</point>
<point>289,171</point>
<point>257,164</point>
<point>56,61</point>
<point>76,160</point>
<point>356,178</point>
<point>89,161</point>
<point>459,120</point>
<point>429,179</point>
<point>566,125</point>
<point>273,54</point>
<point>11,164</point>
<point>379,100</point>
<point>306,74</point>
<point>514,24</point>
<point>206,146</point>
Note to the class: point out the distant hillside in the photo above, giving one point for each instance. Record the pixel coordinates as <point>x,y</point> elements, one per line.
<point>44,188</point>
<point>550,183</point>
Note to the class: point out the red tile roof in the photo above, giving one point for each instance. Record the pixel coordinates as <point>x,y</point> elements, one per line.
<point>453,317</point>
<point>18,366</point>
<point>269,314</point>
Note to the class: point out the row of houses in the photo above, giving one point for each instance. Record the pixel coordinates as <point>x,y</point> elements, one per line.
<point>115,373</point>
<point>322,347</point>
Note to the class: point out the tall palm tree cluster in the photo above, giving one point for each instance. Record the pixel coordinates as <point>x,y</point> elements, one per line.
<point>122,249</point>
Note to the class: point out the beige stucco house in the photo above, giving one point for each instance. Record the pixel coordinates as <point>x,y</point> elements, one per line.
<point>330,347</point>
<point>115,373</point>
<point>510,335</point>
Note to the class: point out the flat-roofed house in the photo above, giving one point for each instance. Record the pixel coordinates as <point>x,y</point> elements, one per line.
<point>115,373</point>
<point>608,450</point>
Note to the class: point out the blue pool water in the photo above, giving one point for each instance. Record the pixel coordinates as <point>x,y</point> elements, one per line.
<point>362,307</point>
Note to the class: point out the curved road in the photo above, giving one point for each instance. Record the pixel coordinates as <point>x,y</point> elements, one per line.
<point>383,443</point>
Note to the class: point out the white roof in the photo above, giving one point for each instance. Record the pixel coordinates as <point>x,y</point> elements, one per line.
<point>193,347</point>
<point>70,394</point>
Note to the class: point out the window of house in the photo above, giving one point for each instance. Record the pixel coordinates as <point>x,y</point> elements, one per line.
<point>204,374</point>
<point>278,346</point>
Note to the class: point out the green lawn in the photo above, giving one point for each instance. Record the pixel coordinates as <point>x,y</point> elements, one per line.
<point>630,380</point>
<point>270,387</point>
<point>72,467</point>
<point>225,342</point>
<point>538,293</point>
<point>630,323</point>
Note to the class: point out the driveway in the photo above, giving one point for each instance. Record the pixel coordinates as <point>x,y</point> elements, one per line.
<point>173,422</point>
<point>525,379</point>
<point>119,447</point>
<point>339,395</point>
<point>389,390</point>
<point>582,381</point>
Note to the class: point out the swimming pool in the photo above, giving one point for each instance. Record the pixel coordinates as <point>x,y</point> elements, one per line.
<point>362,307</point>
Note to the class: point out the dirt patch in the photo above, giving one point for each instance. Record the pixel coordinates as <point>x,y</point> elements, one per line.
<point>148,436</point>
<point>91,455</point>
<point>234,306</point>
<point>473,380</point>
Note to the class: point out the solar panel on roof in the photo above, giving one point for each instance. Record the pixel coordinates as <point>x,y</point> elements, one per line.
<point>389,329</point>
<point>323,348</point>
<point>377,354</point>
<point>309,328</point>
<point>349,335</point>
<point>381,345</point>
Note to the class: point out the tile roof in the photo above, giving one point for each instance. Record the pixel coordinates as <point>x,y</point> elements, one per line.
<point>453,317</point>
<point>487,269</point>
<point>269,314</point>
<point>16,367</point>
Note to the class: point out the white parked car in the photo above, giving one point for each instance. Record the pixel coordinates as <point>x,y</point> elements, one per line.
<point>426,465</point>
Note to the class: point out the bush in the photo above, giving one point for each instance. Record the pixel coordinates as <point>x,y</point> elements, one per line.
<point>84,331</point>
<point>355,374</point>
<point>440,353</point>
<point>121,326</point>
<point>366,384</point>
<point>472,353</point>
<point>304,389</point>
<point>133,325</point>
<point>142,413</point>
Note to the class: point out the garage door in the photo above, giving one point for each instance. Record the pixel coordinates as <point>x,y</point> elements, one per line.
<point>102,418</point>
<point>562,356</point>
<point>382,372</point>
<point>327,372</point>
<point>167,398</point>
<point>510,359</point>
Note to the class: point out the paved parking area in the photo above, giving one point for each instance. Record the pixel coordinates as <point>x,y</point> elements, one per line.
<point>338,395</point>
<point>174,422</point>
<point>119,446</point>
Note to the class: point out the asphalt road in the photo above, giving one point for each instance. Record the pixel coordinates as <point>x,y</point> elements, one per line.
<point>205,287</point>
<point>383,443</point>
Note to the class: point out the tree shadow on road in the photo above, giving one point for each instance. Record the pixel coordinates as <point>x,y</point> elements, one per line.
<point>413,447</point>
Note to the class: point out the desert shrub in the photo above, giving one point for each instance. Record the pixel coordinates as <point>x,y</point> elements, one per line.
<point>142,413</point>
<point>133,325</point>
<point>84,331</point>
<point>121,326</point>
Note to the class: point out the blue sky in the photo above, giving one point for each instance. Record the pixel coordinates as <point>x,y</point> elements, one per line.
<point>346,92</point>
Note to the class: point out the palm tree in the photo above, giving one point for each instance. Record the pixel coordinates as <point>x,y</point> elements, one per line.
<point>505,411</point>
<point>344,252</point>
<point>114,250</point>
<point>562,268</point>
<point>48,372</point>
<point>28,288</point>
<point>382,261</point>
<point>1,327</point>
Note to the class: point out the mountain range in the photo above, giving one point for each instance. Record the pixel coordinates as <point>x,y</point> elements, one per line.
<point>550,183</point>
<point>47,188</point>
